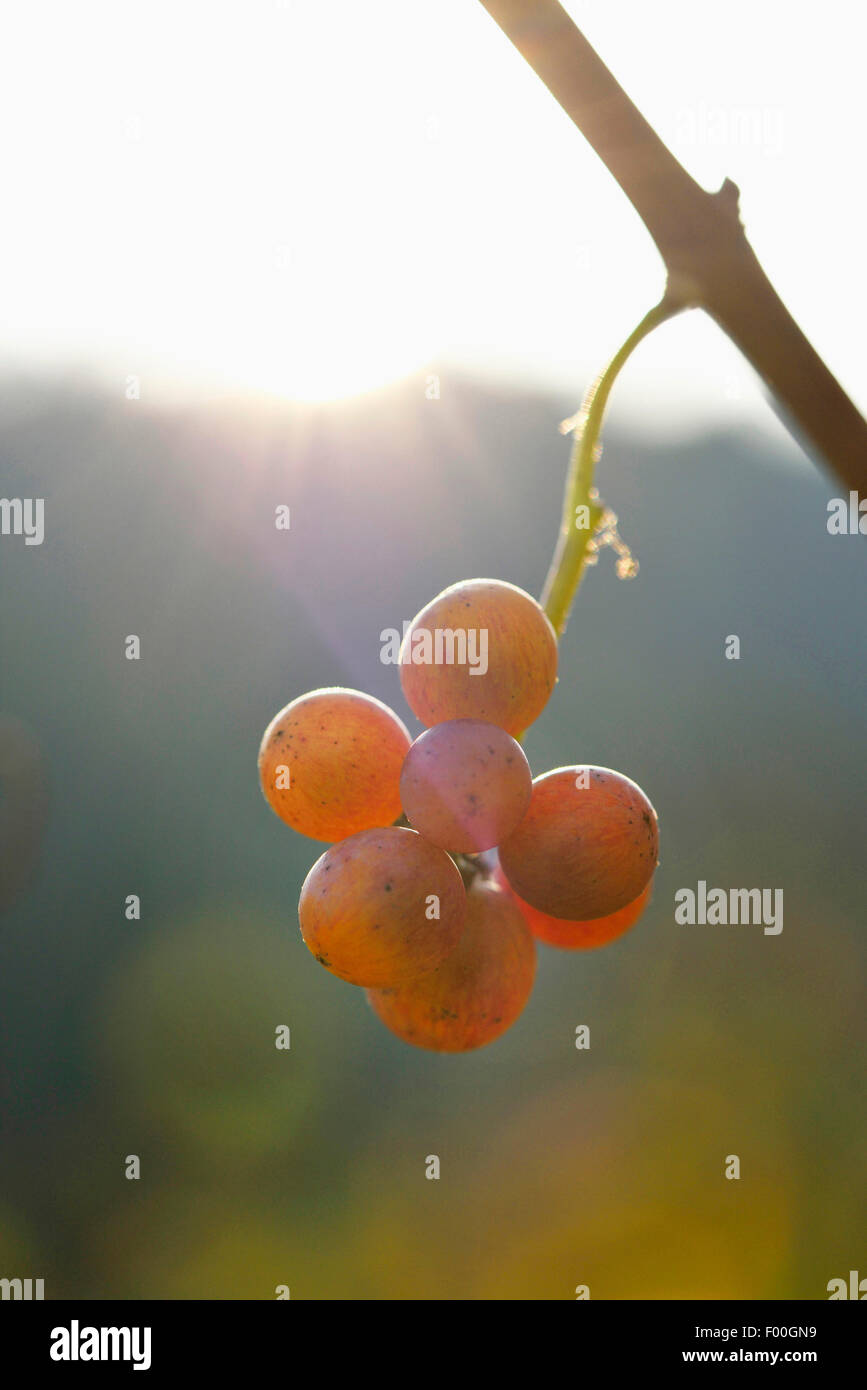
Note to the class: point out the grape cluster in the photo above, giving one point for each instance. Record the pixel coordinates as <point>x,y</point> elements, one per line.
<point>410,902</point>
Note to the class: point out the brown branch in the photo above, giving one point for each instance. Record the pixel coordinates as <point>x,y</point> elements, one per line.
<point>710,263</point>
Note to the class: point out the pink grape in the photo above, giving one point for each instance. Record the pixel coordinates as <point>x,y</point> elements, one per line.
<point>577,936</point>
<point>382,907</point>
<point>582,851</point>
<point>478,992</point>
<point>329,763</point>
<point>465,784</point>
<point>509,652</point>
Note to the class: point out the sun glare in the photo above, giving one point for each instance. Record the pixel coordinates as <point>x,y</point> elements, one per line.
<point>328,319</point>
<point>315,197</point>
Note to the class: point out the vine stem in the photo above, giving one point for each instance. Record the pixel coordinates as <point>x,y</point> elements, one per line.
<point>570,554</point>
<point>699,235</point>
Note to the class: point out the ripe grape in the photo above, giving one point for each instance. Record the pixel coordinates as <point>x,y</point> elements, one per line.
<point>329,763</point>
<point>582,852</point>
<point>478,992</point>
<point>382,907</point>
<point>573,936</point>
<point>465,785</point>
<point>506,678</point>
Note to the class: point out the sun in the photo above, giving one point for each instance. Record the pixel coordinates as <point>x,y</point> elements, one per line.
<point>331,317</point>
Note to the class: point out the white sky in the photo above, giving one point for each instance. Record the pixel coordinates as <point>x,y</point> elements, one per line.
<point>312,197</point>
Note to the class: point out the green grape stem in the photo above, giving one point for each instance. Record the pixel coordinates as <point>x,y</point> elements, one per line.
<point>470,866</point>
<point>570,554</point>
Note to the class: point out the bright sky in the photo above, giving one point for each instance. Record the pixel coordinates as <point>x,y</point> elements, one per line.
<point>312,197</point>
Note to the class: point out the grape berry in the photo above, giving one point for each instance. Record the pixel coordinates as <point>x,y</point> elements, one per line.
<point>382,907</point>
<point>330,763</point>
<point>577,936</point>
<point>439,932</point>
<point>582,851</point>
<point>465,785</point>
<point>478,991</point>
<point>514,646</point>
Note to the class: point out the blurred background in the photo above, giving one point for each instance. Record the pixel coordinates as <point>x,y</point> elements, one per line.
<point>354,261</point>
